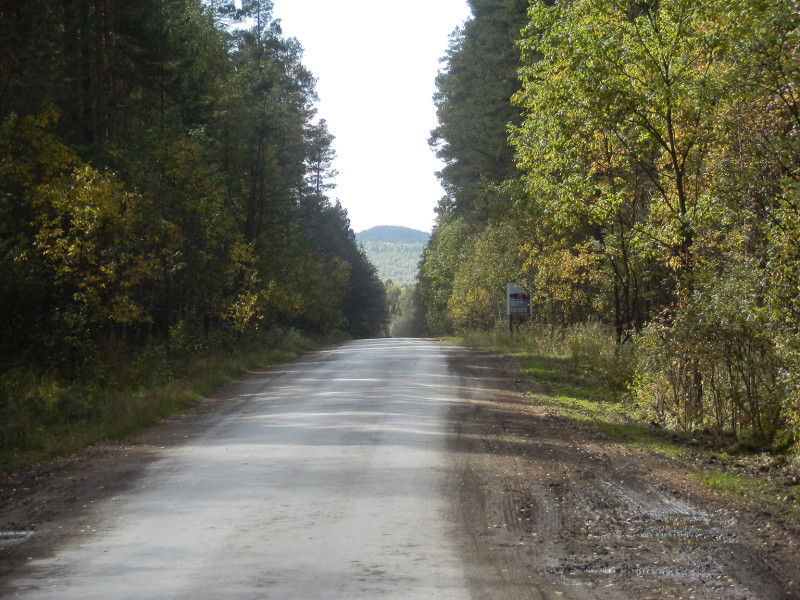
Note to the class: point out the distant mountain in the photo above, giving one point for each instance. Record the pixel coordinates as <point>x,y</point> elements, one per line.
<point>394,235</point>
<point>395,251</point>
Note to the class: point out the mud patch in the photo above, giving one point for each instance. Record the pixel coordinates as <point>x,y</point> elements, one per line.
<point>552,509</point>
<point>13,535</point>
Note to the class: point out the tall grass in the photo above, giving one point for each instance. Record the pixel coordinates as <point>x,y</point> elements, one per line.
<point>586,349</point>
<point>42,417</point>
<point>578,372</point>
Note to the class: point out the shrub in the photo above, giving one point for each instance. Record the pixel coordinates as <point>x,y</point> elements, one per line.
<point>715,364</point>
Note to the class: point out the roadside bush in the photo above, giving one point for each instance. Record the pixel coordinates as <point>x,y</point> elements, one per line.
<point>591,344</point>
<point>42,416</point>
<point>662,379</point>
<point>714,365</point>
<point>474,309</point>
<point>788,437</point>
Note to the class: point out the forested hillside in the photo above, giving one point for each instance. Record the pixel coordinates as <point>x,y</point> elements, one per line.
<point>650,183</point>
<point>395,251</point>
<point>162,190</point>
<point>393,234</point>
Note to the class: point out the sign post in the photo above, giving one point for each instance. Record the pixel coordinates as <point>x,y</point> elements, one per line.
<point>518,302</point>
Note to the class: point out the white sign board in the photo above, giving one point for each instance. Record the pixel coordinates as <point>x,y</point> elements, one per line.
<point>518,300</point>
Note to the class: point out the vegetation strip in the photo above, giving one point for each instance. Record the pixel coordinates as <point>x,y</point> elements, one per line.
<point>643,176</point>
<point>57,419</point>
<point>579,391</point>
<point>164,214</point>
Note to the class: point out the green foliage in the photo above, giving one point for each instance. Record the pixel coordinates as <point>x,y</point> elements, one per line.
<point>722,338</point>
<point>443,256</point>
<point>42,416</point>
<point>162,194</point>
<point>658,152</point>
<point>638,158</point>
<point>395,261</point>
<point>478,297</point>
<point>623,161</point>
<point>473,108</point>
<point>182,208</point>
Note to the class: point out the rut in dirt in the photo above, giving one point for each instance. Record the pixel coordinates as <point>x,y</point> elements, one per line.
<point>562,512</point>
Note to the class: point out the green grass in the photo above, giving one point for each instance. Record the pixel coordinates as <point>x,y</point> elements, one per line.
<point>751,488</point>
<point>585,391</point>
<point>583,395</point>
<point>43,418</point>
<point>730,483</point>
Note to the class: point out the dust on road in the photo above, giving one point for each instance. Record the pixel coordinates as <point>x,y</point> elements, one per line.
<point>317,479</point>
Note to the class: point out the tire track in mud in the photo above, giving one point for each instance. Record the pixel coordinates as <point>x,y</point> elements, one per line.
<point>554,511</point>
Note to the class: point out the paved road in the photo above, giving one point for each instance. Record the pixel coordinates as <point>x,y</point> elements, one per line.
<point>330,479</point>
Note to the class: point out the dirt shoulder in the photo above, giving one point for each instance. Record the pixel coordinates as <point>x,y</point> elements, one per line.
<point>559,511</point>
<point>41,508</point>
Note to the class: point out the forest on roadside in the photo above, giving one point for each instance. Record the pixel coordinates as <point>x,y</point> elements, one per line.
<point>636,166</point>
<point>163,195</point>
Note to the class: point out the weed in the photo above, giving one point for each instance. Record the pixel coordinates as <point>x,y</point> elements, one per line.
<point>571,381</point>
<point>41,417</point>
<point>733,483</point>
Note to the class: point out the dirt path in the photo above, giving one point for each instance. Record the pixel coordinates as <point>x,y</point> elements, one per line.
<point>563,513</point>
<point>322,478</point>
<point>547,507</point>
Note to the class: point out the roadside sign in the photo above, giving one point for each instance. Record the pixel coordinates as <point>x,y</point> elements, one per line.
<point>518,300</point>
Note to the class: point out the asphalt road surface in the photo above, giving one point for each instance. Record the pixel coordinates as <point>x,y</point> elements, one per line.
<point>327,477</point>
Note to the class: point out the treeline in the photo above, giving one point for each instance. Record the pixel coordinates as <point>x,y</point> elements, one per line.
<point>642,173</point>
<point>163,185</point>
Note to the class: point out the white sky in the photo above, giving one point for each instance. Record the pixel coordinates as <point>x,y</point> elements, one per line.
<point>375,63</point>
